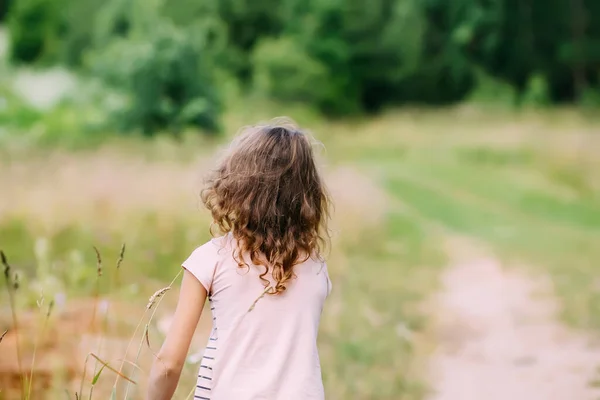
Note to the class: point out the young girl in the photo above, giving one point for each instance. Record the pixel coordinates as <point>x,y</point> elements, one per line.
<point>265,279</point>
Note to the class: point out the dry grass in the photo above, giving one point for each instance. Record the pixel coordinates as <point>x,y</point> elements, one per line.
<point>96,189</point>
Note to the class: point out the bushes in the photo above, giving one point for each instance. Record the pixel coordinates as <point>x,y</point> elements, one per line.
<point>339,56</point>
<point>537,93</point>
<point>284,71</point>
<point>34,26</point>
<point>54,31</point>
<point>4,7</point>
<point>161,73</point>
<point>78,32</point>
<point>164,79</point>
<point>368,54</point>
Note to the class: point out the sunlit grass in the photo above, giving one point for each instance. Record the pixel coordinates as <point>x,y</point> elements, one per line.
<point>527,185</point>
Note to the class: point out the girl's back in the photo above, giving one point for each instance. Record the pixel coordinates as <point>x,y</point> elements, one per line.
<point>261,346</point>
<point>264,276</point>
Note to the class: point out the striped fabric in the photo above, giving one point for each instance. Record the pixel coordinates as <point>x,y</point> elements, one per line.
<point>205,375</point>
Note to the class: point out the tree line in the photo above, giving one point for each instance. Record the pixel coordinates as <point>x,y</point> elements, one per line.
<point>340,56</point>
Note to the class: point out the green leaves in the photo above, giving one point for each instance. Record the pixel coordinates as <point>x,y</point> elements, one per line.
<point>165,77</point>
<point>97,376</point>
<point>341,57</point>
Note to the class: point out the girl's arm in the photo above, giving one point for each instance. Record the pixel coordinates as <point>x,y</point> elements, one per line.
<point>166,369</point>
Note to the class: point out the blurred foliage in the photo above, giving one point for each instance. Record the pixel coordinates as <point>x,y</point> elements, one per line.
<point>284,71</point>
<point>4,7</point>
<point>164,81</point>
<point>342,57</point>
<point>34,27</point>
<point>537,92</point>
<point>161,73</point>
<point>492,91</point>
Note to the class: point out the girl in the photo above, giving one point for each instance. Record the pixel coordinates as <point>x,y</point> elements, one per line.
<point>265,279</point>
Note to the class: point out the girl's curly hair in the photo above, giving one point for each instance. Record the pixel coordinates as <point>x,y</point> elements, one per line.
<point>268,194</point>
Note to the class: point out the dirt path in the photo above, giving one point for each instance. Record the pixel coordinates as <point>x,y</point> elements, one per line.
<point>499,340</point>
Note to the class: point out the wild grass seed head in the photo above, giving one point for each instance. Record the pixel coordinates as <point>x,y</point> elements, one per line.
<point>121,256</point>
<point>5,264</point>
<point>98,261</point>
<point>15,281</point>
<point>157,295</point>
<point>50,307</point>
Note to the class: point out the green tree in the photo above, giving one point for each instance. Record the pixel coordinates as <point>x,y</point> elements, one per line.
<point>78,30</point>
<point>283,70</point>
<point>164,78</point>
<point>4,8</point>
<point>360,54</point>
<point>34,27</point>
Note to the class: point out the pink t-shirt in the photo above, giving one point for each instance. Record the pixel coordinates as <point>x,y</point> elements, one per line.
<point>270,352</point>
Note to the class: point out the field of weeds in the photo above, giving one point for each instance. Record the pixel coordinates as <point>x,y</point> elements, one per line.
<point>525,186</point>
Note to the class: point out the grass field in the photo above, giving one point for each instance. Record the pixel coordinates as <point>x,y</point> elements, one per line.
<point>527,186</point>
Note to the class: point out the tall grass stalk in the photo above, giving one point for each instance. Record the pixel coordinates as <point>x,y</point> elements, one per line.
<point>191,394</point>
<point>97,374</point>
<point>12,286</point>
<point>118,269</point>
<point>35,347</point>
<point>124,360</point>
<point>104,328</point>
<point>139,351</point>
<point>107,366</point>
<point>116,283</point>
<point>100,344</point>
<point>97,288</point>
<point>153,302</point>
<point>93,319</point>
<point>80,392</point>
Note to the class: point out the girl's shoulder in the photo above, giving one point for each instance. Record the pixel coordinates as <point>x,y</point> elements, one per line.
<point>214,246</point>
<point>204,260</point>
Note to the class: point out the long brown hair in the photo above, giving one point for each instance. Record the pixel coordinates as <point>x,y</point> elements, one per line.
<point>267,192</point>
